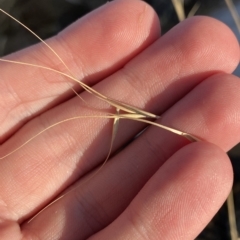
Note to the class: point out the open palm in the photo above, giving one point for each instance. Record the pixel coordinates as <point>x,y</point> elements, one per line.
<point>159,186</point>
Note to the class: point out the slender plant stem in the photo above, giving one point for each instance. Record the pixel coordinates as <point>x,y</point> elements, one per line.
<point>234,13</point>
<point>232,217</point>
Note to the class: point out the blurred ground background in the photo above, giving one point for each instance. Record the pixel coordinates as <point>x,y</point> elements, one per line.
<point>46,18</point>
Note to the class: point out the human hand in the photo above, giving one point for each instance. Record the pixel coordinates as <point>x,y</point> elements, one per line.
<point>159,186</point>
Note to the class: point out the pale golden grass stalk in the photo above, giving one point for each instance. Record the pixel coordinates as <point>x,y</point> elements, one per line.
<point>234,13</point>
<point>127,111</point>
<point>194,9</point>
<point>179,9</point>
<point>131,112</point>
<point>232,217</point>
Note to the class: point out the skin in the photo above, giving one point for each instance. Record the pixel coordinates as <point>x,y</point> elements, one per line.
<point>160,186</point>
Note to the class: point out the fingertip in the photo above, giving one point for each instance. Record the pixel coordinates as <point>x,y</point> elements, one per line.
<point>207,37</point>
<point>185,193</point>
<point>124,20</point>
<point>212,164</point>
<point>193,184</point>
<point>212,109</point>
<point>111,35</point>
<point>145,13</point>
<point>201,179</point>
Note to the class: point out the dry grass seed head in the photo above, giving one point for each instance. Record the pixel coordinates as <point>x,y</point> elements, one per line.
<point>122,110</point>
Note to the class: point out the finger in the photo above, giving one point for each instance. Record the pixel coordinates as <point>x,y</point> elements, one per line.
<point>189,188</point>
<point>66,158</point>
<point>93,47</point>
<point>94,203</point>
<point>179,200</point>
<point>213,107</point>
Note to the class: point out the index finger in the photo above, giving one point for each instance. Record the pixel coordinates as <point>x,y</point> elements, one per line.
<point>29,91</point>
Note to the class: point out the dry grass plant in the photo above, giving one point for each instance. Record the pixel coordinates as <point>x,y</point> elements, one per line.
<point>234,13</point>
<point>122,110</point>
<point>232,217</point>
<point>179,9</point>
